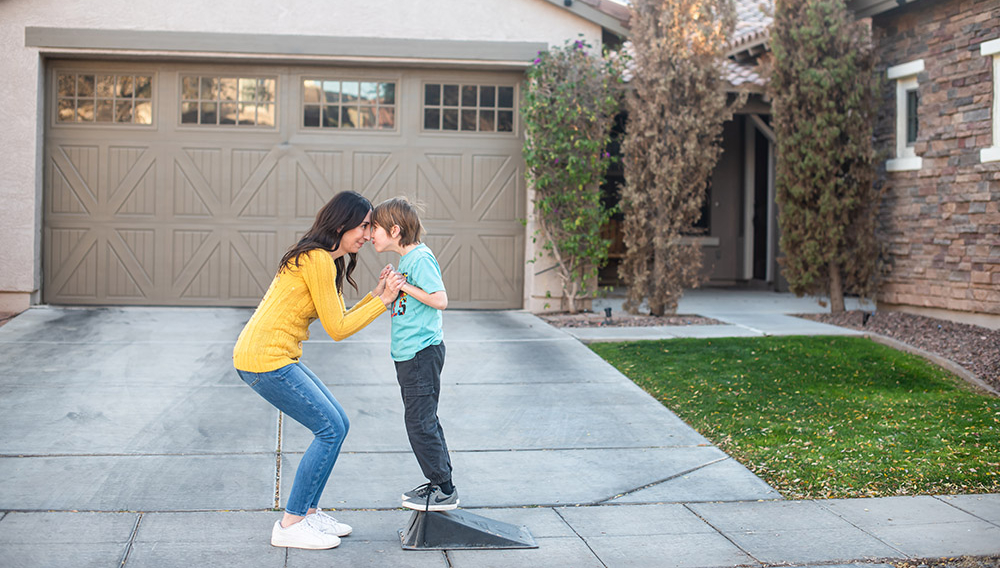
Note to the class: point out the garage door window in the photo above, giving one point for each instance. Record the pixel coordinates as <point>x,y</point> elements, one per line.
<point>468,108</point>
<point>123,98</point>
<point>228,101</point>
<point>333,103</point>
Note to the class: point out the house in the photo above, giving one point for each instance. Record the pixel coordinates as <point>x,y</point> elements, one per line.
<point>939,133</point>
<point>167,154</point>
<point>155,159</point>
<point>938,130</point>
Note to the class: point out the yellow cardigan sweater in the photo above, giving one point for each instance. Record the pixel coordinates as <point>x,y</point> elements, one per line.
<point>297,296</point>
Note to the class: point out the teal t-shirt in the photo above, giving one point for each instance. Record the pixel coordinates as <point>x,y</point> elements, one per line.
<point>416,325</point>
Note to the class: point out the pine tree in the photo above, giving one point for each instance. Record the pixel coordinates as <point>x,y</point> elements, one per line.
<point>823,91</point>
<point>672,142</point>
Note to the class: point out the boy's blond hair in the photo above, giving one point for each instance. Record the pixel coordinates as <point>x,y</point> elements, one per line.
<point>399,211</point>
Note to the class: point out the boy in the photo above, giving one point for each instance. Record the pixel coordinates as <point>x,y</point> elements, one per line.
<point>418,349</point>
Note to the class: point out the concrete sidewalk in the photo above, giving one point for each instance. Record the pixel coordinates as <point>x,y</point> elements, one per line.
<point>743,313</point>
<point>128,440</point>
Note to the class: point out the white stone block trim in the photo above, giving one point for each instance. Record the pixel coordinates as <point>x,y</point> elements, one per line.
<point>906,69</point>
<point>992,154</point>
<point>904,164</point>
<point>991,47</point>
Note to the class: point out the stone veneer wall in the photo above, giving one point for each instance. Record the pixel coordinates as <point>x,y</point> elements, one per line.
<point>941,224</point>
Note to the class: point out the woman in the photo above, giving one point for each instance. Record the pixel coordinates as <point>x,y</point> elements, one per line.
<point>309,284</point>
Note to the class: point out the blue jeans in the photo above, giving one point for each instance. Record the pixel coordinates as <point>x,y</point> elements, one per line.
<point>296,391</point>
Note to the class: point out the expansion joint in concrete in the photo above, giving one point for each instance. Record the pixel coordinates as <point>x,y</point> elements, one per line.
<point>946,502</point>
<point>131,540</point>
<point>579,536</point>
<point>660,481</point>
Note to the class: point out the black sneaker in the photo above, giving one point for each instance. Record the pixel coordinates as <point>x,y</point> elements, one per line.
<point>430,497</point>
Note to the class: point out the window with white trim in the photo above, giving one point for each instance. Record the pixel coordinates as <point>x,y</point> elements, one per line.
<point>992,154</point>
<point>907,116</point>
<point>106,98</point>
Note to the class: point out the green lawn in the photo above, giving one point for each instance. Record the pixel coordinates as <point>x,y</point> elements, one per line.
<point>820,417</point>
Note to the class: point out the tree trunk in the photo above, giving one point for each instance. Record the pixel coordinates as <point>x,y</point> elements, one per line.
<point>657,274</point>
<point>836,289</point>
<point>571,296</point>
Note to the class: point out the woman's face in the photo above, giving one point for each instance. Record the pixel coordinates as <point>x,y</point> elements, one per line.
<point>353,239</point>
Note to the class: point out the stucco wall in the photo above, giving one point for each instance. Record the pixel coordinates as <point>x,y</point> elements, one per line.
<point>20,212</point>
<point>941,223</point>
<point>22,69</point>
<point>498,20</point>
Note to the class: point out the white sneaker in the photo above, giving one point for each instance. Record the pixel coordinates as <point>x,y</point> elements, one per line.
<point>302,534</point>
<point>328,524</point>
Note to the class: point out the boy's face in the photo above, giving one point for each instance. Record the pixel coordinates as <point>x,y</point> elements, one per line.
<point>381,239</point>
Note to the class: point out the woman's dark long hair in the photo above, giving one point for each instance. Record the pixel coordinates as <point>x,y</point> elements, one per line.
<point>344,212</point>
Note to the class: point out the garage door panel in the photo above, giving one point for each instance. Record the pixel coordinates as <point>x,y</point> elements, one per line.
<point>484,286</point>
<point>73,271</point>
<point>486,188</point>
<point>81,278</point>
<point>61,197</point>
<point>121,274</point>
<point>385,186</point>
<point>255,252</point>
<point>191,250</point>
<point>256,183</point>
<point>439,185</point>
<point>73,188</point>
<point>132,173</point>
<point>208,163</point>
<point>193,194</point>
<point>495,186</point>
<point>330,166</point>
<point>247,273</point>
<point>375,175</point>
<point>201,278</point>
<point>492,267</point>
<point>135,253</point>
<point>312,190</point>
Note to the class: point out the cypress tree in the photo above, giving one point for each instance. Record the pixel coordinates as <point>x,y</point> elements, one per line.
<point>672,142</point>
<point>823,92</point>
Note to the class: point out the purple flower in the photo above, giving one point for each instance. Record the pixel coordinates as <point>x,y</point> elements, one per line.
<point>537,61</point>
<point>557,160</point>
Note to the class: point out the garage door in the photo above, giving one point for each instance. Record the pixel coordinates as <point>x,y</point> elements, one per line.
<point>181,184</point>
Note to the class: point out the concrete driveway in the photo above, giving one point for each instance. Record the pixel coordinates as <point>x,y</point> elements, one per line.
<point>138,409</point>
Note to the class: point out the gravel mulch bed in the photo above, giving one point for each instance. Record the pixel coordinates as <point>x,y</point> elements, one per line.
<point>593,319</point>
<point>974,347</point>
<point>953,562</point>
